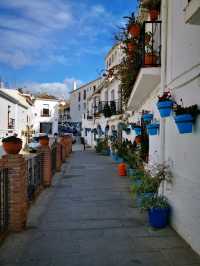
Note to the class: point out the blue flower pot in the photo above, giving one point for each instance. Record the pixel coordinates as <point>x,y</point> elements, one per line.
<point>153,129</point>
<point>165,108</point>
<point>131,172</point>
<point>141,196</point>
<point>158,217</point>
<point>147,117</point>
<point>184,123</point>
<point>138,131</point>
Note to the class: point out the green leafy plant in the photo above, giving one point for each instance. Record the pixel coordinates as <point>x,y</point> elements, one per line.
<point>156,202</point>
<point>166,96</point>
<point>192,110</point>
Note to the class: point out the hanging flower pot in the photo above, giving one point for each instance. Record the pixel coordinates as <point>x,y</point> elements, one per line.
<point>138,139</point>
<point>153,14</point>
<point>147,117</point>
<point>153,129</point>
<point>138,130</point>
<point>12,145</point>
<point>44,140</point>
<point>150,59</point>
<point>184,123</point>
<point>165,108</point>
<point>134,30</point>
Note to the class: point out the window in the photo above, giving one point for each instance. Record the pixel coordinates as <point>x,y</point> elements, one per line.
<point>84,94</point>
<point>46,128</point>
<point>79,107</point>
<point>94,88</point>
<point>45,110</point>
<point>79,96</point>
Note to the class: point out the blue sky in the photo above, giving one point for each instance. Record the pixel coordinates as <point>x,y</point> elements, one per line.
<point>46,44</point>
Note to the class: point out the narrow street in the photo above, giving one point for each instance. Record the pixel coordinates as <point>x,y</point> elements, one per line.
<point>86,219</point>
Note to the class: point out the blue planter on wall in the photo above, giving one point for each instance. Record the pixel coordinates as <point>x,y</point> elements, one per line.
<point>165,108</point>
<point>153,129</point>
<point>138,131</point>
<point>184,123</point>
<point>158,217</point>
<point>147,117</point>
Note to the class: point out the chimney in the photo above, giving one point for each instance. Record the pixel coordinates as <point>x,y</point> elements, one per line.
<point>74,85</point>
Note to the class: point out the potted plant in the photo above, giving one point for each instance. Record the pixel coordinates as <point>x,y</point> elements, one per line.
<point>133,26</point>
<point>154,8</point>
<point>150,57</point>
<point>137,128</point>
<point>158,211</point>
<point>184,117</point>
<point>147,116</point>
<point>165,104</point>
<point>12,145</point>
<point>153,129</point>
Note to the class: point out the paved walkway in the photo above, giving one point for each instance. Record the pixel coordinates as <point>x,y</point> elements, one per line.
<point>87,219</point>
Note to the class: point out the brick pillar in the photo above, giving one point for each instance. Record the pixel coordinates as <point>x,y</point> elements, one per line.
<point>18,198</point>
<point>46,164</point>
<point>58,157</point>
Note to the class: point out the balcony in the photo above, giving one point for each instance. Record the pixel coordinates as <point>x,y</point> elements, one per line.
<point>11,123</point>
<point>192,12</point>
<point>149,62</point>
<point>45,113</point>
<point>108,108</point>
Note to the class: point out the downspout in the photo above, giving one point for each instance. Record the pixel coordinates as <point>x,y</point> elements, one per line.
<point>164,30</point>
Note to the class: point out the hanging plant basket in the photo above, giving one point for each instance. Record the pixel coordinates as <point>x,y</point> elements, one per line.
<point>134,30</point>
<point>153,129</point>
<point>12,145</point>
<point>184,123</point>
<point>138,130</point>
<point>165,108</point>
<point>153,14</point>
<point>147,117</point>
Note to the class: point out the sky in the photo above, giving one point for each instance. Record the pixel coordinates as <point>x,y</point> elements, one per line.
<point>47,44</point>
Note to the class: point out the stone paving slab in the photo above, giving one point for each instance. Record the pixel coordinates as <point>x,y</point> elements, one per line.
<point>87,219</point>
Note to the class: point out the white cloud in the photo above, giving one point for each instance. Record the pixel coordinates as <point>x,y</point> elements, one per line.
<point>58,89</point>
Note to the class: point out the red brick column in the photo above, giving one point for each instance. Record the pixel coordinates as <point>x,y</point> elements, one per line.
<point>18,198</point>
<point>46,164</point>
<point>58,157</point>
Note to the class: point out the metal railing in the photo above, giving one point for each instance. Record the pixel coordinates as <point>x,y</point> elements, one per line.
<point>4,200</point>
<point>149,52</point>
<point>11,123</point>
<point>34,174</point>
<point>53,158</point>
<point>108,108</point>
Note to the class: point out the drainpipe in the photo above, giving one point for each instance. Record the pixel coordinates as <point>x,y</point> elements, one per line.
<point>164,10</point>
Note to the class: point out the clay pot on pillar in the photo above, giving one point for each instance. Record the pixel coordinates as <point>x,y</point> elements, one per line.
<point>12,145</point>
<point>44,140</point>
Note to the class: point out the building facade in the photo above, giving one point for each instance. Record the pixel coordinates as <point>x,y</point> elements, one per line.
<point>45,112</point>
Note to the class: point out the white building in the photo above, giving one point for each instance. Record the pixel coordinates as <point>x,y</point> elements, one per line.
<point>45,112</point>
<point>16,113</point>
<point>106,96</point>
<point>179,72</point>
<point>78,101</point>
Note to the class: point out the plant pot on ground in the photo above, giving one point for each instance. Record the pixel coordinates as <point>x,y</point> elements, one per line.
<point>12,145</point>
<point>150,59</point>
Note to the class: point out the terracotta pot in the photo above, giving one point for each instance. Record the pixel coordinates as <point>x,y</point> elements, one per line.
<point>122,169</point>
<point>12,147</point>
<point>134,30</point>
<point>153,14</point>
<point>147,39</point>
<point>44,141</point>
<point>150,59</point>
<point>138,139</point>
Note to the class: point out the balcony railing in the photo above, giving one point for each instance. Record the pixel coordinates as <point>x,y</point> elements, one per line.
<point>149,52</point>
<point>108,108</point>
<point>4,200</point>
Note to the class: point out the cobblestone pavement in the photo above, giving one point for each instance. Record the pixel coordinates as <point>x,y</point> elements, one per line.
<point>86,219</point>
